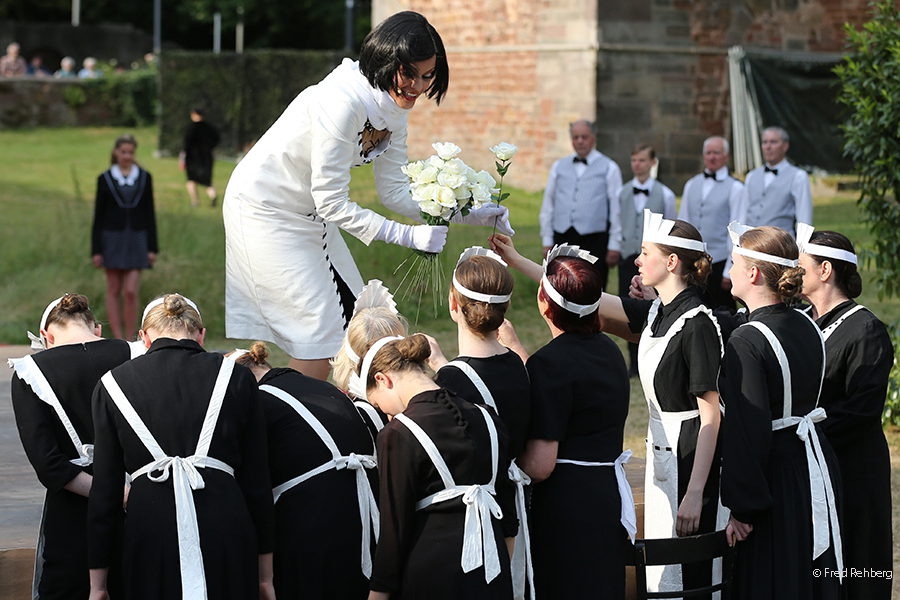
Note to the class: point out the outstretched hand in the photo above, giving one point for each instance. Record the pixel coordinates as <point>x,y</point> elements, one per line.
<point>489,215</point>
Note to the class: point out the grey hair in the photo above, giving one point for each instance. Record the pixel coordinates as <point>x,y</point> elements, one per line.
<point>725,145</point>
<point>67,60</point>
<point>780,131</point>
<point>591,124</point>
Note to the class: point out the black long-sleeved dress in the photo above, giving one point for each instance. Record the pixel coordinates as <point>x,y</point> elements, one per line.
<point>858,361</point>
<point>124,228</point>
<point>505,376</point>
<point>765,478</point>
<point>72,371</point>
<point>199,141</point>
<point>580,394</point>
<point>419,552</point>
<point>318,527</point>
<point>170,389</point>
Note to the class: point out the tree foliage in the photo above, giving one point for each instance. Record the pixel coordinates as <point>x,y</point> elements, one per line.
<point>870,80</point>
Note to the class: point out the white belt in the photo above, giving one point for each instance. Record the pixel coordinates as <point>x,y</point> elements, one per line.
<point>628,516</point>
<point>185,478</point>
<point>368,508</point>
<point>523,539</point>
<point>479,545</point>
<point>824,511</point>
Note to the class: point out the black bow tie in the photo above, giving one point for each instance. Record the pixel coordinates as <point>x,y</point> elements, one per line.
<point>579,159</point>
<point>709,175</point>
<point>771,170</point>
<point>638,190</point>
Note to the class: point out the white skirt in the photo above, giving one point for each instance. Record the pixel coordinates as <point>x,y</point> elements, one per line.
<point>279,286</point>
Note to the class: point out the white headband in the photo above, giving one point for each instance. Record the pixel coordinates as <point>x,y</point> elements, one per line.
<point>373,295</point>
<point>39,342</point>
<point>804,233</point>
<point>478,296</point>
<point>566,250</point>
<point>156,302</point>
<point>357,383</point>
<point>238,352</point>
<point>735,230</point>
<point>656,231</point>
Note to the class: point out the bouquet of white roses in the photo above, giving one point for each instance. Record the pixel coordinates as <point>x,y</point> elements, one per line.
<point>444,186</point>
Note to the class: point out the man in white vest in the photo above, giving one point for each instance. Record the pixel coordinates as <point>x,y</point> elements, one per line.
<point>776,193</point>
<point>710,201</point>
<point>577,207</point>
<point>641,192</point>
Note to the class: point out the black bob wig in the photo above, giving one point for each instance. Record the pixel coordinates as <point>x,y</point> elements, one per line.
<point>396,43</point>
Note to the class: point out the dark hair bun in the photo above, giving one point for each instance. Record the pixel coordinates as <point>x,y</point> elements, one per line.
<point>73,304</point>
<point>414,348</point>
<point>175,305</point>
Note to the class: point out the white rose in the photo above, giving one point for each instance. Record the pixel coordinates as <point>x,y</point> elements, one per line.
<point>427,175</point>
<point>445,196</point>
<point>471,175</point>
<point>447,213</point>
<point>446,150</point>
<point>413,169</point>
<point>430,207</point>
<point>462,192</point>
<point>485,178</point>
<point>504,151</point>
<point>451,180</point>
<point>455,166</point>
<point>481,193</point>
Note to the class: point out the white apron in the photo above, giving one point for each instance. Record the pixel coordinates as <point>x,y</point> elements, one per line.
<point>663,431</point>
<point>522,568</point>
<point>371,412</point>
<point>185,475</point>
<point>368,508</point>
<point>479,546</point>
<point>824,510</point>
<point>29,372</point>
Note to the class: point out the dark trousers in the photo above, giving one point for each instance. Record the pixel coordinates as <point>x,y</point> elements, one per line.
<point>714,296</point>
<point>627,270</point>
<point>595,243</point>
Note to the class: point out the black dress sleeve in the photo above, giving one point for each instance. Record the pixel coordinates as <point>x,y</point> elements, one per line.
<point>458,382</point>
<point>702,353</point>
<point>866,366</point>
<point>101,201</point>
<point>35,422</point>
<point>551,398</point>
<point>105,514</point>
<point>150,215</point>
<point>253,474</point>
<point>746,430</point>
<point>398,484</point>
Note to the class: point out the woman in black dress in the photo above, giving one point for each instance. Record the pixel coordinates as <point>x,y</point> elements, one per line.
<point>487,372</point>
<point>197,156</point>
<point>188,427</point>
<point>442,463</point>
<point>582,511</point>
<point>322,463</point>
<point>123,237</point>
<point>51,394</point>
<point>772,447</point>
<point>858,361</point>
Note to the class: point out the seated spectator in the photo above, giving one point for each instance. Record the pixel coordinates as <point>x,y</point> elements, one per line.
<point>36,68</point>
<point>12,65</point>
<point>66,68</point>
<point>90,71</point>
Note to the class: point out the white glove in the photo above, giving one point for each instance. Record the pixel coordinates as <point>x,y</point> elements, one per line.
<point>486,216</point>
<point>427,238</point>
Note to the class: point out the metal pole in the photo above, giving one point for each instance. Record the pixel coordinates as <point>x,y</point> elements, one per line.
<point>239,31</point>
<point>157,26</point>
<point>348,26</point>
<point>217,32</point>
<point>76,13</point>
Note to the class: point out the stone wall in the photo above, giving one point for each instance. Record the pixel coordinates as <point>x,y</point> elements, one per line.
<point>31,102</point>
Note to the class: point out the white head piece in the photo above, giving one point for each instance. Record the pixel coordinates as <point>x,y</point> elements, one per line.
<point>736,230</point>
<point>566,250</point>
<point>804,233</point>
<point>478,296</point>
<point>39,342</point>
<point>373,295</point>
<point>657,229</point>
<point>357,384</point>
<point>157,301</point>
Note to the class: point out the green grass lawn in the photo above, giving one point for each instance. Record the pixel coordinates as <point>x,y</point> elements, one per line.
<point>47,186</point>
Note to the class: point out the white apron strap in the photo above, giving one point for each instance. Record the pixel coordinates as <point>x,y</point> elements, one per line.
<point>522,566</point>
<point>824,509</point>
<point>371,412</point>
<point>29,372</point>
<point>787,409</point>
<point>826,333</point>
<point>358,463</point>
<point>628,516</point>
<point>479,545</point>
<point>185,476</point>
<point>476,380</point>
